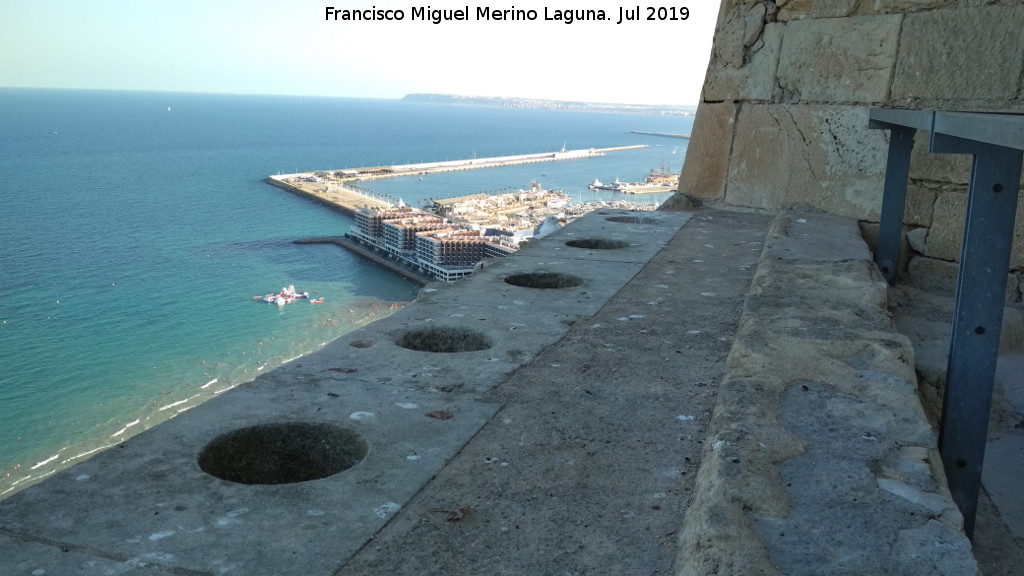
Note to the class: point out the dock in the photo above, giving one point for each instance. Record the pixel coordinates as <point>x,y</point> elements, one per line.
<point>329,188</point>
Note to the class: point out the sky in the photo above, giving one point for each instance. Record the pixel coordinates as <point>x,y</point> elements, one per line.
<point>292,48</point>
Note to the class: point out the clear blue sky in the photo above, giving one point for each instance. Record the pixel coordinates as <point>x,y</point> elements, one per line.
<point>276,47</point>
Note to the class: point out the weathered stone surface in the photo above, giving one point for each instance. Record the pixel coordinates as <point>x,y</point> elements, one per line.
<point>822,156</point>
<point>707,157</point>
<point>917,239</point>
<point>925,165</point>
<point>822,458</point>
<point>943,61</point>
<point>940,276</point>
<point>943,168</point>
<point>946,235</point>
<point>753,24</point>
<point>889,6</point>
<point>920,203</point>
<point>931,275</point>
<point>833,8</point>
<point>730,32</point>
<point>749,75</point>
<point>794,9</point>
<point>839,60</point>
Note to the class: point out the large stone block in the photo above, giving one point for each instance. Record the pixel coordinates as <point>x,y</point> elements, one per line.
<point>746,78</point>
<point>963,59</point>
<point>839,59</point>
<point>821,156</point>
<point>925,165</point>
<point>744,55</point>
<point>707,156</point>
<point>946,235</point>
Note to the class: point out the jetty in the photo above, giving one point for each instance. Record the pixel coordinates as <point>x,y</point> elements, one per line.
<point>333,195</point>
<point>661,134</point>
<point>334,189</point>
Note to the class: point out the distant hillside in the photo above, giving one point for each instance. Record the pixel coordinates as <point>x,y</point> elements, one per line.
<point>534,103</point>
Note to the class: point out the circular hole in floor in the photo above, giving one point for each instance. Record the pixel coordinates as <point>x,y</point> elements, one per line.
<point>444,339</point>
<point>361,343</point>
<point>633,219</point>
<point>544,280</point>
<point>597,244</point>
<point>282,453</point>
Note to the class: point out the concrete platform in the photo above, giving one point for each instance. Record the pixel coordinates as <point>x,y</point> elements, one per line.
<point>664,415</point>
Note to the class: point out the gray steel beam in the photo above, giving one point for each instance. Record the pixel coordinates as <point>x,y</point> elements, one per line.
<point>888,117</point>
<point>1005,130</point>
<point>977,322</point>
<point>894,199</point>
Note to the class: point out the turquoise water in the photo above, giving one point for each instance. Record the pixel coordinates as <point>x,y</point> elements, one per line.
<point>136,229</point>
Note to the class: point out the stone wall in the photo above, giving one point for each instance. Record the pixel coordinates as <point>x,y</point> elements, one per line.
<point>783,119</point>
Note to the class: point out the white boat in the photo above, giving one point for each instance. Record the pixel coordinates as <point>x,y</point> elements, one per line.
<point>285,296</point>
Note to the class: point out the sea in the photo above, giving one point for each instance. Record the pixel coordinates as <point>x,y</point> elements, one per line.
<point>136,232</point>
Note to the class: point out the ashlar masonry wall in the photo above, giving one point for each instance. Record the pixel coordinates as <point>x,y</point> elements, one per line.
<point>783,119</point>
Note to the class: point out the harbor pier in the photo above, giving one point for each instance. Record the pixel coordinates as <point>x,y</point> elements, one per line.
<point>329,187</point>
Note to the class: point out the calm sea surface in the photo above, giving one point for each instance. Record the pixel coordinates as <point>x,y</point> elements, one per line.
<point>135,230</point>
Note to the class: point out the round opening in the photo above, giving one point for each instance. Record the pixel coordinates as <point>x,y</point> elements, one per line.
<point>361,343</point>
<point>282,453</point>
<point>444,339</point>
<point>597,244</point>
<point>544,280</point>
<point>633,219</point>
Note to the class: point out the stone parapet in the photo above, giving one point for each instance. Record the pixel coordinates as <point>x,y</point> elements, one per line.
<point>818,452</point>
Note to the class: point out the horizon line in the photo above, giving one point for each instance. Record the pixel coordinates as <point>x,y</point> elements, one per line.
<point>348,97</point>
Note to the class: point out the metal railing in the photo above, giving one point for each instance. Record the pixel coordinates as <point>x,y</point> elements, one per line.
<point>996,142</point>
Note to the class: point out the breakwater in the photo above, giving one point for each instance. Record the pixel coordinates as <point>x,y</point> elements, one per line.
<point>424,168</point>
<point>334,196</point>
<point>329,188</point>
<point>661,134</point>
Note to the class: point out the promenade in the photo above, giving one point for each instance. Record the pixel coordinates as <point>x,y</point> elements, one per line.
<point>637,393</point>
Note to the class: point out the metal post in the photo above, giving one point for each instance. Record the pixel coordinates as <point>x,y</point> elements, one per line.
<point>894,200</point>
<point>977,322</point>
